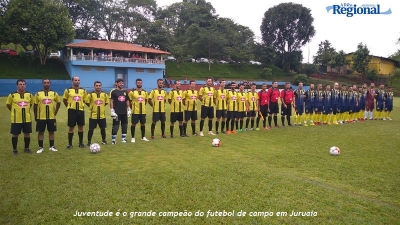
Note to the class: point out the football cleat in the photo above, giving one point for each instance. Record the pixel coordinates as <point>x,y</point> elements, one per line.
<point>52,148</point>
<point>40,150</point>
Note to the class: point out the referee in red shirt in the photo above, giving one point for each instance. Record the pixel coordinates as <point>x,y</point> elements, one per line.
<point>262,106</point>
<point>273,108</point>
<point>287,96</point>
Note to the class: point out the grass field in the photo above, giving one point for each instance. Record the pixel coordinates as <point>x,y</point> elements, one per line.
<point>272,171</point>
<point>225,71</point>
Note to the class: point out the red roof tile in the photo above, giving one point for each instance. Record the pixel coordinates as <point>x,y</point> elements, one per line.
<point>118,46</point>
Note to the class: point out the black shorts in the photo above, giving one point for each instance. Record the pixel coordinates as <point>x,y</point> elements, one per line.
<point>286,111</point>
<point>240,115</point>
<point>220,113</point>
<point>251,113</point>
<point>136,118</point>
<point>207,112</point>
<point>122,118</point>
<point>42,124</point>
<point>159,116</point>
<point>176,116</point>
<point>76,117</point>
<point>273,108</point>
<point>231,115</point>
<point>263,110</point>
<point>93,123</point>
<point>190,115</point>
<point>16,128</point>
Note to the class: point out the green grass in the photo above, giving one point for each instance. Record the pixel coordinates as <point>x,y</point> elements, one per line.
<point>23,67</point>
<point>224,71</point>
<point>266,171</point>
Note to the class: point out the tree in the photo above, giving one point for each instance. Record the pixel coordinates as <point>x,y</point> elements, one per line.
<point>340,60</point>
<point>361,59</point>
<point>308,69</point>
<point>287,27</point>
<point>395,56</point>
<point>396,74</point>
<point>82,18</point>
<point>325,55</point>
<point>43,24</point>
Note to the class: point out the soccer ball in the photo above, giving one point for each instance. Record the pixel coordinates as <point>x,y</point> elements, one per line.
<point>334,150</point>
<point>216,142</point>
<point>94,148</point>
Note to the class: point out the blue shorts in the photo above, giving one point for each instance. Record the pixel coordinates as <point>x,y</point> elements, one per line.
<point>379,106</point>
<point>309,108</point>
<point>318,109</point>
<point>361,106</point>
<point>327,109</point>
<point>300,109</point>
<point>388,108</point>
<point>335,109</point>
<point>343,109</point>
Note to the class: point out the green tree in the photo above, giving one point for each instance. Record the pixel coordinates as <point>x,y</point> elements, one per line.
<point>287,27</point>
<point>341,60</point>
<point>395,56</point>
<point>43,24</point>
<point>325,55</point>
<point>361,59</point>
<point>80,12</point>
<point>308,69</point>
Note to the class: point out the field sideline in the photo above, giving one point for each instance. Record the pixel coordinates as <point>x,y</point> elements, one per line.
<point>280,170</point>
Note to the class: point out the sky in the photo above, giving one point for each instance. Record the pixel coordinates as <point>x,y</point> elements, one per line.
<point>379,32</point>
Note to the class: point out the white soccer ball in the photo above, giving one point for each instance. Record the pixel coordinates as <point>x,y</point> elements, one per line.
<point>94,148</point>
<point>334,151</point>
<point>216,142</point>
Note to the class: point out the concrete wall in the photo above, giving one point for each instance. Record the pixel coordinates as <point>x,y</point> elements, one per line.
<point>8,86</point>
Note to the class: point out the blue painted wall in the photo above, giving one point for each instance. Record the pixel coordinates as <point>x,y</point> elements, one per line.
<point>88,71</point>
<point>8,86</point>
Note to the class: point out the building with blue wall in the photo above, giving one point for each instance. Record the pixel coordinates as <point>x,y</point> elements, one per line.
<point>107,61</point>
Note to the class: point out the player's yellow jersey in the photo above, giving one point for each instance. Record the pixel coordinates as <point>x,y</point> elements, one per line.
<point>97,103</point>
<point>220,99</point>
<point>252,98</point>
<point>176,97</point>
<point>138,101</point>
<point>190,98</point>
<point>232,100</point>
<point>46,102</point>
<point>75,98</point>
<point>20,107</point>
<point>158,97</point>
<point>207,93</point>
<point>241,101</point>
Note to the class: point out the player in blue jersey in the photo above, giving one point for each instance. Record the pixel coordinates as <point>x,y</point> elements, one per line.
<point>335,103</point>
<point>299,99</point>
<point>327,105</point>
<point>389,102</point>
<point>310,97</point>
<point>380,100</point>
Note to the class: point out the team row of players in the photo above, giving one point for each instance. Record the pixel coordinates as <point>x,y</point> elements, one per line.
<point>231,107</point>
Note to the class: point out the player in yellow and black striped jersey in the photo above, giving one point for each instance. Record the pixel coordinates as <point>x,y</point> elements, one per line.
<point>138,99</point>
<point>190,105</point>
<point>19,103</point>
<point>220,103</point>
<point>74,99</point>
<point>175,99</point>
<point>97,101</point>
<point>241,112</point>
<point>206,96</point>
<point>157,99</point>
<point>232,109</point>
<point>251,107</point>
<point>45,108</point>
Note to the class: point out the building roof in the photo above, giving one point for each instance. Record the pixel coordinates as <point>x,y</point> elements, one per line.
<point>351,53</point>
<point>116,46</point>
